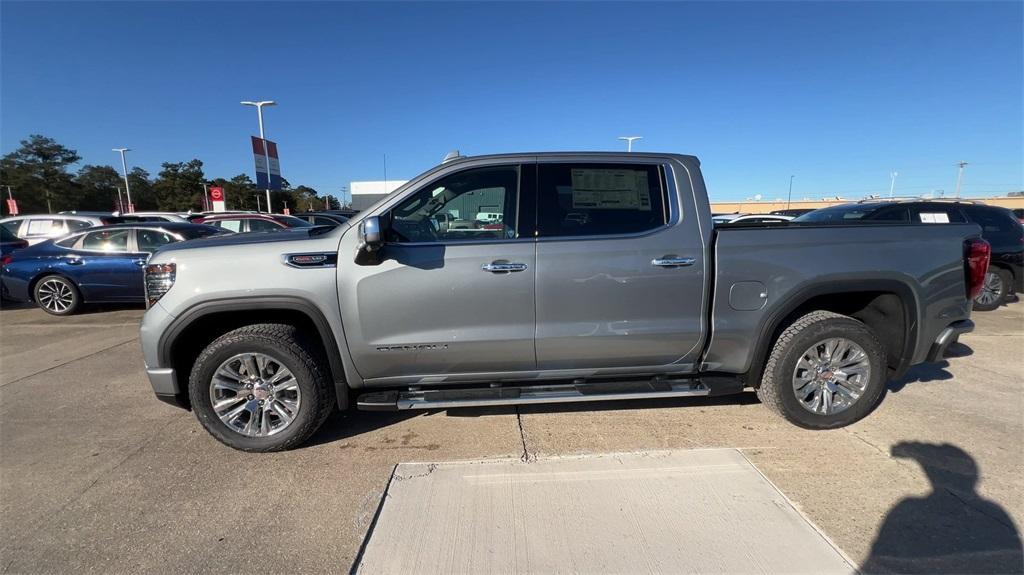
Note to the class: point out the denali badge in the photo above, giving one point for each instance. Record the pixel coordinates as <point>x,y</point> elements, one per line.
<point>417,347</point>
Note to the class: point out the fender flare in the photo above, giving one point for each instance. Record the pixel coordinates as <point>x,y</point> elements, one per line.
<point>772,322</point>
<point>291,303</point>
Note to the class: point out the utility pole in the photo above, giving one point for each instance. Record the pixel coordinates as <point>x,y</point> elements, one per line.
<point>789,198</point>
<point>266,153</point>
<point>960,176</point>
<point>124,168</point>
<point>629,141</point>
<point>892,181</point>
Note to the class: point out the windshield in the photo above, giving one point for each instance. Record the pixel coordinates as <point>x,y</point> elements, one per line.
<point>838,214</point>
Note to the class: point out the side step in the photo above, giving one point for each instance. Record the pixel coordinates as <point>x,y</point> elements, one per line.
<point>560,393</point>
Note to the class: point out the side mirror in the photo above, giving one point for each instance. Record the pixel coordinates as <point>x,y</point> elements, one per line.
<point>370,241</point>
<point>370,238</point>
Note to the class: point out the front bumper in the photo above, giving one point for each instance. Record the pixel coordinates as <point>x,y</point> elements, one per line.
<point>947,336</point>
<point>163,379</point>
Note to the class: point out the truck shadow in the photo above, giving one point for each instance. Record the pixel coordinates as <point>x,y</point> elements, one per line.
<point>930,372</point>
<point>952,529</point>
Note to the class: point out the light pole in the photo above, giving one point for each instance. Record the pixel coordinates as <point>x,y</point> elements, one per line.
<point>124,168</point>
<point>266,153</point>
<point>960,176</point>
<point>789,198</point>
<point>892,181</point>
<point>206,198</point>
<point>120,202</point>
<point>629,141</point>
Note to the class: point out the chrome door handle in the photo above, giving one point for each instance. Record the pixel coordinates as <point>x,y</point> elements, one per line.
<point>673,262</point>
<point>502,268</point>
<point>140,263</point>
<point>74,261</point>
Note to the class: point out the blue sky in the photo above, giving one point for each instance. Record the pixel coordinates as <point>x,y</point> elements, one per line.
<point>837,93</point>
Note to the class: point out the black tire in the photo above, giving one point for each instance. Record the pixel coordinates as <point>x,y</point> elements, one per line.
<point>1004,280</point>
<point>776,391</point>
<point>53,291</point>
<point>286,344</point>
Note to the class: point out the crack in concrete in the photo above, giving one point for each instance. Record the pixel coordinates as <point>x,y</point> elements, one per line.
<point>525,457</point>
<point>966,503</point>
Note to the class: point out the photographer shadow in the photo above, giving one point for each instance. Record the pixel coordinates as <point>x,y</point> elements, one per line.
<point>953,529</point>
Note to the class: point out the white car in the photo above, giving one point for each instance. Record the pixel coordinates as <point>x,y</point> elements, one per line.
<point>40,227</point>
<point>749,219</point>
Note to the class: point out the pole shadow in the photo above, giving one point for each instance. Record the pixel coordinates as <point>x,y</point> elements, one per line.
<point>953,529</point>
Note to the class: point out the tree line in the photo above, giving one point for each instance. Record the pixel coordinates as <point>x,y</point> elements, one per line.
<point>40,173</point>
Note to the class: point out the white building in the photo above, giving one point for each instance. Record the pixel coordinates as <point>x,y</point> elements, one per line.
<point>365,194</point>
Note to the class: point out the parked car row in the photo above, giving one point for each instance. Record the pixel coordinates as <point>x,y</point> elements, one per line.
<point>62,261</point>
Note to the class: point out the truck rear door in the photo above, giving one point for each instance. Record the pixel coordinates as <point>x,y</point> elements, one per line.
<point>620,267</point>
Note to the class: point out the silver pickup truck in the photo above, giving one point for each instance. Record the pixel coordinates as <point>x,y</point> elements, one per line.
<point>595,276</point>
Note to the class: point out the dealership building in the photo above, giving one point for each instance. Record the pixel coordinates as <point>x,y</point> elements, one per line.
<point>365,194</point>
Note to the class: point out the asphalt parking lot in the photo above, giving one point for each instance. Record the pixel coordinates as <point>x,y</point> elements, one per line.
<point>96,475</point>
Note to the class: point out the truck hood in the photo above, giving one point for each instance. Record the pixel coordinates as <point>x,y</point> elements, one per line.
<point>289,235</point>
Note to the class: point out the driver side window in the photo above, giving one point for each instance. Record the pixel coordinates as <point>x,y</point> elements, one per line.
<point>474,204</point>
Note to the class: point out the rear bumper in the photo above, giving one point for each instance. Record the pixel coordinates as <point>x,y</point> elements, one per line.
<point>947,336</point>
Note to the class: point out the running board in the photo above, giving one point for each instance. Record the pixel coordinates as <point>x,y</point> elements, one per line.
<point>560,393</point>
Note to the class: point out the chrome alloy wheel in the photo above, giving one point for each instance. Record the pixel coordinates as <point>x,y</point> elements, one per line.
<point>831,376</point>
<point>255,394</point>
<point>55,295</point>
<point>990,289</point>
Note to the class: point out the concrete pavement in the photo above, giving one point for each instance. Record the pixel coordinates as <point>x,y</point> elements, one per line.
<point>98,476</point>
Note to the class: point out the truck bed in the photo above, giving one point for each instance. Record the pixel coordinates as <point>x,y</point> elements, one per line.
<point>761,272</point>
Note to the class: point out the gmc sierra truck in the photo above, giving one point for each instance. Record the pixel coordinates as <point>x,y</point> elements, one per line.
<point>596,276</point>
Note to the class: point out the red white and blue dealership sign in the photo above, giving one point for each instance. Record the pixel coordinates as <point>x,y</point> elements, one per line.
<point>261,156</point>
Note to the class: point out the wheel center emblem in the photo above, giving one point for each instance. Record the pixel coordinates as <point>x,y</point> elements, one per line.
<point>261,392</point>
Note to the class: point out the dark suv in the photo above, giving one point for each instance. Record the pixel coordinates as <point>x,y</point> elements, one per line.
<point>998,226</point>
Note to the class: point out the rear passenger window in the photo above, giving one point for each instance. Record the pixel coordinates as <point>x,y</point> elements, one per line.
<point>75,225</point>
<point>151,240</point>
<point>599,199</point>
<point>44,228</point>
<point>893,215</point>
<point>233,225</point>
<point>106,241</point>
<point>931,214</point>
<point>256,225</point>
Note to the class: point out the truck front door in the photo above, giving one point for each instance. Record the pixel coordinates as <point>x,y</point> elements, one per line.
<point>620,268</point>
<point>451,294</point>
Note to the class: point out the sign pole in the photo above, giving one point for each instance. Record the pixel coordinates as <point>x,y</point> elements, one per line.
<point>266,154</point>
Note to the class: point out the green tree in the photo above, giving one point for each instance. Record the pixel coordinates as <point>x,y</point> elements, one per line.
<point>179,186</point>
<point>38,171</point>
<point>97,188</point>
<point>142,190</point>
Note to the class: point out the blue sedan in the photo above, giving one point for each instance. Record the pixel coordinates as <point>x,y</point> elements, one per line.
<point>98,265</point>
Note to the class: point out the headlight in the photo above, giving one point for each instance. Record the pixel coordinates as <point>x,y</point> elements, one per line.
<point>159,279</point>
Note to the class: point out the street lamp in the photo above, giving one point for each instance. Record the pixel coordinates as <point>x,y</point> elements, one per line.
<point>124,167</point>
<point>789,198</point>
<point>892,181</point>
<point>266,153</point>
<point>629,141</point>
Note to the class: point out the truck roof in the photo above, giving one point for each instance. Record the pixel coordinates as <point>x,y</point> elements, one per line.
<point>522,155</point>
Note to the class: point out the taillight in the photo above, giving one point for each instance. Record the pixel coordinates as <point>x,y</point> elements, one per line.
<point>976,256</point>
<point>159,279</point>
<point>6,259</point>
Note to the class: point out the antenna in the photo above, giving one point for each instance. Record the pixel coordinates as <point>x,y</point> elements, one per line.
<point>452,155</point>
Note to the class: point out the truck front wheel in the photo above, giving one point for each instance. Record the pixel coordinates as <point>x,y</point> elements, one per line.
<point>825,370</point>
<point>261,388</point>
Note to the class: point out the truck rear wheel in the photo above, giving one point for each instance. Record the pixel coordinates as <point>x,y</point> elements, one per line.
<point>261,388</point>
<point>826,370</point>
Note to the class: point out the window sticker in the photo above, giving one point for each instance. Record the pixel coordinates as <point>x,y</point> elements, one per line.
<point>934,217</point>
<point>610,189</point>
